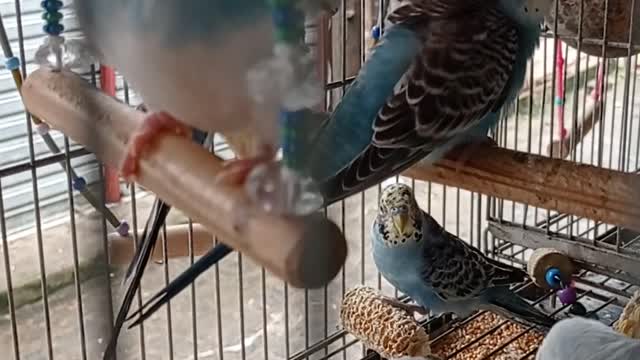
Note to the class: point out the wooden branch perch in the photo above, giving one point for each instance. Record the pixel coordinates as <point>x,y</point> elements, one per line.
<point>121,247</point>
<point>584,190</point>
<point>305,251</point>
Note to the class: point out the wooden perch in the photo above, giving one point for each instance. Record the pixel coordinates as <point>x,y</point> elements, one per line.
<point>121,247</point>
<point>304,251</point>
<point>583,190</point>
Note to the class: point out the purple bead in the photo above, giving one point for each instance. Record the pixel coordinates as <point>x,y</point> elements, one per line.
<point>123,228</point>
<point>568,295</point>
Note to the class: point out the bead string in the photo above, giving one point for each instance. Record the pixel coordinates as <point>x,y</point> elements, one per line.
<point>52,17</point>
<point>288,21</point>
<point>54,45</point>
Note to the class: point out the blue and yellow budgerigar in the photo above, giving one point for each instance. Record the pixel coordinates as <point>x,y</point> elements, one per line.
<point>439,77</point>
<point>438,270</point>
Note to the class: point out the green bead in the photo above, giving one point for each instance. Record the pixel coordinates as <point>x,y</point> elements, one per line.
<point>285,36</point>
<point>281,2</point>
<point>52,17</point>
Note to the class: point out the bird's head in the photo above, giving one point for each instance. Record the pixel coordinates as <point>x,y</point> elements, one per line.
<point>399,215</point>
<point>529,13</point>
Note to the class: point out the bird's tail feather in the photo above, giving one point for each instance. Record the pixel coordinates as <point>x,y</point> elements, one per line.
<point>509,304</point>
<point>136,268</point>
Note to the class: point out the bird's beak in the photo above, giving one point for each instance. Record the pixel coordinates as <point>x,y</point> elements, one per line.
<point>400,221</point>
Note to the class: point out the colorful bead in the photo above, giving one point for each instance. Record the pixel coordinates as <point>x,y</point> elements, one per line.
<point>52,17</point>
<point>51,5</point>
<point>123,228</point>
<point>288,134</point>
<point>282,17</point>
<point>42,129</point>
<point>553,277</point>
<point>53,29</point>
<point>568,296</point>
<point>289,29</point>
<point>79,184</point>
<point>375,32</point>
<point>12,63</point>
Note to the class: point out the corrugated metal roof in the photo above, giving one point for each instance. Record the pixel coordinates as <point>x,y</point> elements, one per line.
<point>14,144</point>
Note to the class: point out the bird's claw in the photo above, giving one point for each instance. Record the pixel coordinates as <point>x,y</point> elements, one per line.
<point>235,172</point>
<point>146,137</point>
<point>409,308</point>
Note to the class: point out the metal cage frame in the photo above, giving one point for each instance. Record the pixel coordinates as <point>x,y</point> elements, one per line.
<point>471,215</point>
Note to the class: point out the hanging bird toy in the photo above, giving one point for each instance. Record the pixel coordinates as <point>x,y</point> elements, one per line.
<point>283,188</point>
<point>552,269</point>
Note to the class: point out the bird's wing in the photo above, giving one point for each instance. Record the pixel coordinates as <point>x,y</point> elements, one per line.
<point>141,258</point>
<point>408,11</point>
<point>459,77</point>
<point>457,270</point>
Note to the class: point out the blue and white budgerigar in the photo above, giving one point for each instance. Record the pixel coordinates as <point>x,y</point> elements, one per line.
<point>586,339</point>
<point>438,270</point>
<point>438,78</point>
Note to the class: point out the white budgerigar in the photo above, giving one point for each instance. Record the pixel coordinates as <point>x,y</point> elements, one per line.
<point>587,339</point>
<point>191,62</point>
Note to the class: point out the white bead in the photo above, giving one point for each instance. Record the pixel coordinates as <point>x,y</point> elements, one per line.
<point>42,129</point>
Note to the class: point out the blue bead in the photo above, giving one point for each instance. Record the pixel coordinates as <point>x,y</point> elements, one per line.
<point>53,29</point>
<point>281,16</point>
<point>375,32</point>
<point>51,5</point>
<point>12,63</point>
<point>552,277</point>
<point>79,184</point>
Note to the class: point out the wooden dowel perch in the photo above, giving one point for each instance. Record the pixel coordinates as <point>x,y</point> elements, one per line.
<point>588,191</point>
<point>304,251</point>
<point>121,247</point>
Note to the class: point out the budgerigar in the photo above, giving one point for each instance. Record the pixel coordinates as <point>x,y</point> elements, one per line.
<point>394,53</point>
<point>438,78</point>
<point>438,270</point>
<point>467,59</point>
<point>190,61</point>
<point>586,339</point>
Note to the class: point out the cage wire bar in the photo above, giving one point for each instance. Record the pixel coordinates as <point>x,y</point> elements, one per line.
<point>237,310</point>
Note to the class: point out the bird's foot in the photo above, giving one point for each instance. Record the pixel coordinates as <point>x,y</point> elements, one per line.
<point>143,140</point>
<point>409,308</point>
<point>466,151</point>
<point>235,172</point>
